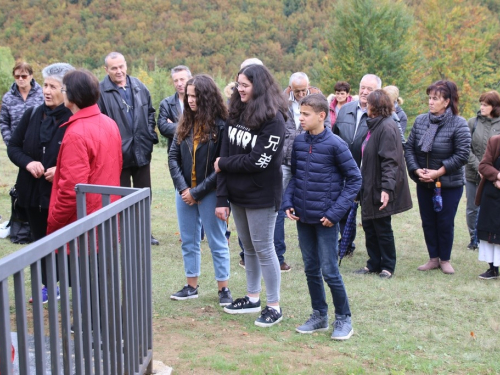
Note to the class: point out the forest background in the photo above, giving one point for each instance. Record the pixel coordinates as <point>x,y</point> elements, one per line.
<point>408,43</point>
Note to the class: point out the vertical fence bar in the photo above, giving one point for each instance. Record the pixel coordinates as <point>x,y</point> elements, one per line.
<point>81,203</point>
<point>36,286</point>
<point>134,290</point>
<point>64,284</point>
<point>94,301</point>
<point>83,255</point>
<point>116,223</point>
<point>21,322</point>
<point>148,289</point>
<point>77,305</point>
<point>5,342</point>
<point>53,313</point>
<point>139,251</point>
<point>103,246</point>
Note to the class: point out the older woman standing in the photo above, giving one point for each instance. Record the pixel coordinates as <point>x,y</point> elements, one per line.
<point>34,147</point>
<point>482,127</point>
<point>488,197</point>
<point>385,189</point>
<point>436,150</point>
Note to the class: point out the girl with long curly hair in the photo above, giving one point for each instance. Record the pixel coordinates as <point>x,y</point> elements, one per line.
<point>250,179</point>
<point>195,147</point>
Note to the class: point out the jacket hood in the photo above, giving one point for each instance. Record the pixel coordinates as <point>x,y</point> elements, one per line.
<point>487,119</point>
<point>35,87</point>
<point>372,123</point>
<point>91,111</point>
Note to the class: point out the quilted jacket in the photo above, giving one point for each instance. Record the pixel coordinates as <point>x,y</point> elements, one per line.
<point>450,149</point>
<point>169,110</point>
<point>90,154</point>
<point>14,106</point>
<point>325,178</point>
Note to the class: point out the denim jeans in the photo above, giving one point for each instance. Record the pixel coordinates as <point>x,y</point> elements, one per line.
<point>318,245</point>
<point>439,227</point>
<point>255,228</point>
<point>190,220</point>
<point>279,229</point>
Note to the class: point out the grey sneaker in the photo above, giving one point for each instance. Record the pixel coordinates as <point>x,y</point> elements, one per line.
<point>269,317</point>
<point>242,306</point>
<point>342,328</point>
<point>225,297</point>
<point>315,323</point>
<point>187,292</point>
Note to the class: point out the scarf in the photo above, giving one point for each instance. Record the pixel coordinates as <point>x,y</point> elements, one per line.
<point>435,121</point>
<point>53,118</point>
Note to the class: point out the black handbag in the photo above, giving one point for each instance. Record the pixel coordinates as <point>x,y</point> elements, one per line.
<point>20,232</point>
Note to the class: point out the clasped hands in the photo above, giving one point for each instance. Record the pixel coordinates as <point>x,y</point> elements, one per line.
<point>37,170</point>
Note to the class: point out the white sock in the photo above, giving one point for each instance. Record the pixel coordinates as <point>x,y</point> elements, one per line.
<point>253,299</point>
<point>277,308</point>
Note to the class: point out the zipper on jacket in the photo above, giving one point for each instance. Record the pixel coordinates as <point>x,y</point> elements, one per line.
<point>310,149</point>
<point>306,179</point>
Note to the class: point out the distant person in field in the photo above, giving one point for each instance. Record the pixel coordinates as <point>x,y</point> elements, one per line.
<point>171,108</point>
<point>126,100</point>
<point>23,94</point>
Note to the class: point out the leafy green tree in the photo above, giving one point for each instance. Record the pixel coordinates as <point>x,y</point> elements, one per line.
<point>6,65</point>
<point>373,36</point>
<point>459,39</point>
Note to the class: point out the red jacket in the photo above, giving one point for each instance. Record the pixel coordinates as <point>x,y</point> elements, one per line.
<point>90,153</point>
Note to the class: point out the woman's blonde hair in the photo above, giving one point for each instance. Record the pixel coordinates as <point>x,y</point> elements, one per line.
<point>393,93</point>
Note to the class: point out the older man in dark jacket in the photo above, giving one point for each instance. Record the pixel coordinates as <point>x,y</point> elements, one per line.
<point>127,101</point>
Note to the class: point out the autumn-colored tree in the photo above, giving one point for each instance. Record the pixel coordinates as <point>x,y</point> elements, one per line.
<point>458,37</point>
<point>374,36</point>
<point>6,65</point>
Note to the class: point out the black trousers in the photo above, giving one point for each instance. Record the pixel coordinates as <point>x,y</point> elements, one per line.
<point>380,244</point>
<point>138,177</point>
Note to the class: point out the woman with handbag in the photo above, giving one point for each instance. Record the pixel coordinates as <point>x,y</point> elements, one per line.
<point>34,148</point>
<point>436,151</point>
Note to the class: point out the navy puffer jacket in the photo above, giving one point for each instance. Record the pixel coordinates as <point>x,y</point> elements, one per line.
<point>325,178</point>
<point>450,149</point>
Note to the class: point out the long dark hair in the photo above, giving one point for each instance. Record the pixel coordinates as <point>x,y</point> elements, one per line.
<point>267,99</point>
<point>210,106</point>
<point>448,90</point>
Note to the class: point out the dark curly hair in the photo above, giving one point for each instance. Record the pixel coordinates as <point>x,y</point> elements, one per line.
<point>267,99</point>
<point>380,103</point>
<point>210,106</point>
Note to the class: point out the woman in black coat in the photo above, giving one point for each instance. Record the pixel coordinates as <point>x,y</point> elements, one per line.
<point>384,191</point>
<point>34,147</point>
<point>436,151</point>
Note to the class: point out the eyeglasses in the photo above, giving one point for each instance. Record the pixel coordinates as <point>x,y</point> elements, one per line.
<point>63,90</point>
<point>23,76</point>
<point>242,85</point>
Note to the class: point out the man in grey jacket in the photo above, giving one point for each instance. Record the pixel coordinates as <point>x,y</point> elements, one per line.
<point>172,107</point>
<point>351,127</point>
<point>127,101</point>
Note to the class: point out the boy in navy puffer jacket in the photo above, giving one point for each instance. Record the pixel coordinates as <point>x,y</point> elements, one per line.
<point>325,181</point>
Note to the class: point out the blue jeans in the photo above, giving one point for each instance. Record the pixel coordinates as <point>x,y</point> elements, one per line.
<point>279,229</point>
<point>318,245</point>
<point>190,220</point>
<point>255,228</point>
<point>439,227</point>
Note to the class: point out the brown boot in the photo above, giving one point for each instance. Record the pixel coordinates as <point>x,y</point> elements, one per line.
<point>430,265</point>
<point>446,267</point>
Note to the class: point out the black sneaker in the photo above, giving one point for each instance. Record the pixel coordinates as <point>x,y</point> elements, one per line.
<point>187,292</point>
<point>488,275</point>
<point>472,246</point>
<point>225,297</point>
<point>242,306</point>
<point>269,317</point>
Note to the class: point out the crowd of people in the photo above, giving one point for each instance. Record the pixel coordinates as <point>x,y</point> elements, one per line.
<point>262,155</point>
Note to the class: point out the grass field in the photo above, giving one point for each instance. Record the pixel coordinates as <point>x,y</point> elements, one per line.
<point>415,323</point>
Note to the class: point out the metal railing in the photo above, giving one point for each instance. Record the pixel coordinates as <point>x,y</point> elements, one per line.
<point>105,292</point>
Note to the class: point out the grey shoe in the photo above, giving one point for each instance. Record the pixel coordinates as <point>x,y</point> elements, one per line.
<point>225,297</point>
<point>342,328</point>
<point>315,323</point>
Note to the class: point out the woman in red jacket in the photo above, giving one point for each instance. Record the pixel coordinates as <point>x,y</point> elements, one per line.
<point>90,153</point>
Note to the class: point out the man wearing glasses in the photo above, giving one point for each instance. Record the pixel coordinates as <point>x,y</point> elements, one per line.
<point>23,94</point>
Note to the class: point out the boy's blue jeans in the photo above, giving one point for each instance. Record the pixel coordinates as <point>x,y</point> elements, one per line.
<point>318,245</point>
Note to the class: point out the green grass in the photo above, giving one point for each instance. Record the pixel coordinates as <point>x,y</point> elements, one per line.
<point>415,323</point>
